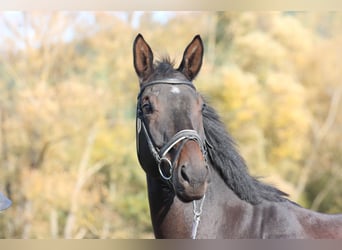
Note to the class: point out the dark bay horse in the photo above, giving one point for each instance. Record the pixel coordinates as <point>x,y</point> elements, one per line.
<point>198,184</point>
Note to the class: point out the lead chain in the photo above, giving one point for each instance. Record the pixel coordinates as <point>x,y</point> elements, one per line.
<point>197,217</point>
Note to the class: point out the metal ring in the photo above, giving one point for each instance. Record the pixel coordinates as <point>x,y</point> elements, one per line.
<point>164,159</point>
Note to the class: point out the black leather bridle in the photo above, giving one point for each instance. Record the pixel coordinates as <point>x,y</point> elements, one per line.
<point>159,154</point>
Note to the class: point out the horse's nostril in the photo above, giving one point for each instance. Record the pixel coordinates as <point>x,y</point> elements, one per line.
<point>184,175</point>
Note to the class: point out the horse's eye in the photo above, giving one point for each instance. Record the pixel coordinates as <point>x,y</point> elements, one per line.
<point>147,108</point>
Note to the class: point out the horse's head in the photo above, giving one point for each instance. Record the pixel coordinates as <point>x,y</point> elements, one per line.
<point>170,134</point>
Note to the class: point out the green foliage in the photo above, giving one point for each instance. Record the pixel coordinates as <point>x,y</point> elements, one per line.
<point>67,124</point>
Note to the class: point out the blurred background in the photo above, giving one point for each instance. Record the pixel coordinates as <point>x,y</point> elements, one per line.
<point>67,111</point>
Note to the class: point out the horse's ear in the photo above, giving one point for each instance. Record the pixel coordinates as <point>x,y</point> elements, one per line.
<point>192,58</point>
<point>143,58</point>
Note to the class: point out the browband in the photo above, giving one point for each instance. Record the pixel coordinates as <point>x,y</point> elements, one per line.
<point>170,81</point>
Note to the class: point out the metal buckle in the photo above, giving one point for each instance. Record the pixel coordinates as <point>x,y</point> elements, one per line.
<point>164,159</point>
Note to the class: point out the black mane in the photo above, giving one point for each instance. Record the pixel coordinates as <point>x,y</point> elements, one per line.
<point>231,166</point>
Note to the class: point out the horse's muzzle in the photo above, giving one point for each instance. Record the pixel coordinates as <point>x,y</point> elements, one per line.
<point>192,174</point>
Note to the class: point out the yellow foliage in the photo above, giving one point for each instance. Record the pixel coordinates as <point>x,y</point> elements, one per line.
<point>256,47</point>
<point>289,115</point>
<point>68,109</point>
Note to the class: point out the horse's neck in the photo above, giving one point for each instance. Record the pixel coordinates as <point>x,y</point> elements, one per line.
<point>167,211</point>
<point>172,218</point>
<point>227,216</point>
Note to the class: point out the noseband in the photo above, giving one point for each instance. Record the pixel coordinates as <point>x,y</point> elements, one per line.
<point>160,154</point>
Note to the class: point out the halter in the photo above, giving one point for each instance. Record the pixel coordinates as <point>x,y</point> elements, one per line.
<point>159,154</point>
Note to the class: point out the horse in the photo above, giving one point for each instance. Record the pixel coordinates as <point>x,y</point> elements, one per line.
<point>198,184</point>
<point>4,202</point>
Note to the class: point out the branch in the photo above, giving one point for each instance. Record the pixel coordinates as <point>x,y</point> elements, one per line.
<point>336,176</point>
<point>11,27</point>
<point>41,156</point>
<point>54,223</point>
<point>79,183</point>
<point>83,175</point>
<point>319,137</point>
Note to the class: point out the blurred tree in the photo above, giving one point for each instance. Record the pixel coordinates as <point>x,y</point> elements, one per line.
<point>67,110</point>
